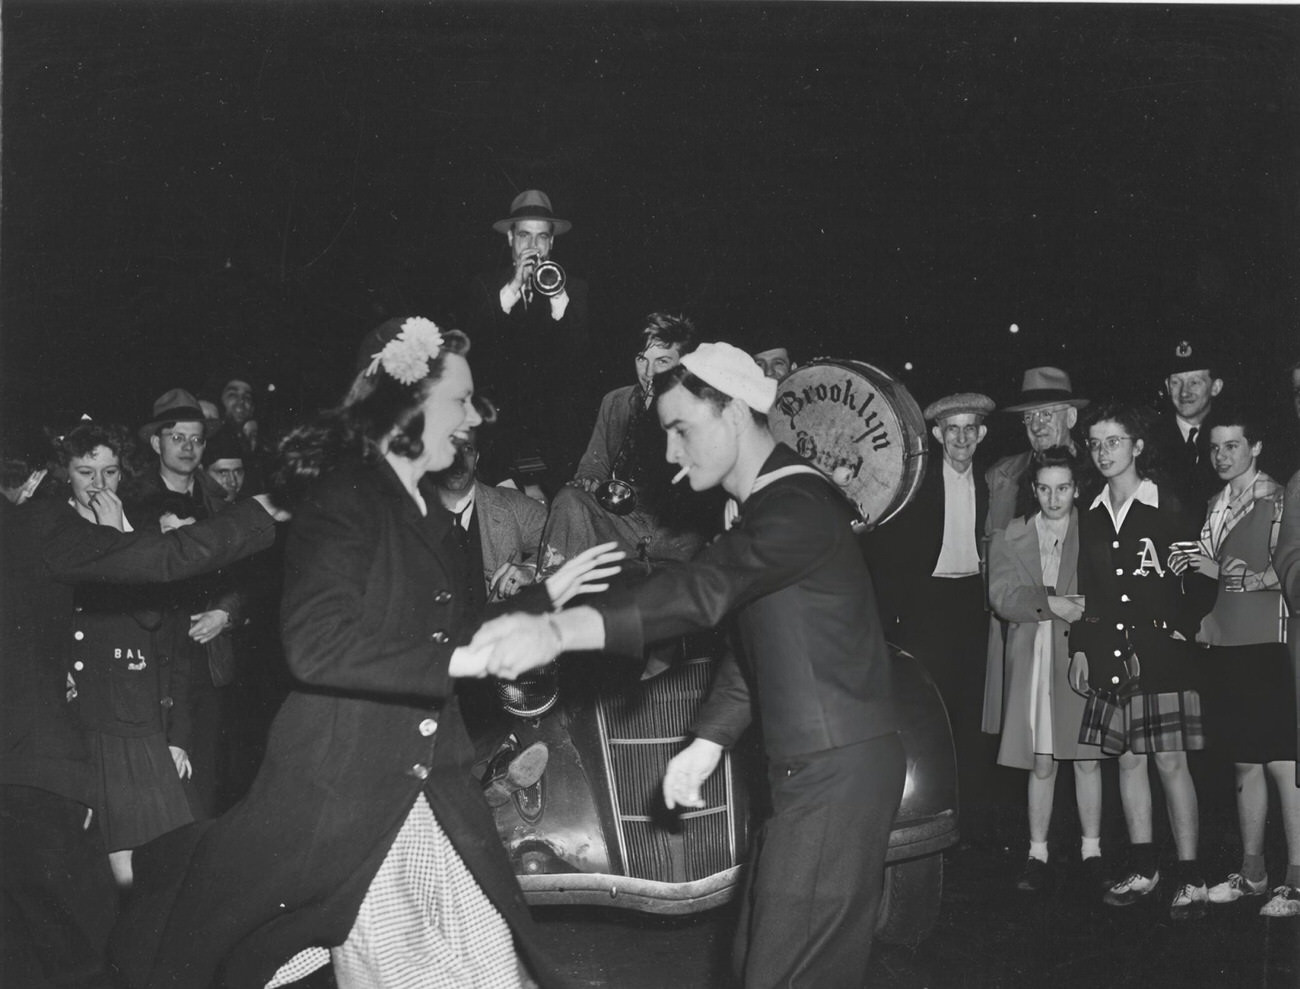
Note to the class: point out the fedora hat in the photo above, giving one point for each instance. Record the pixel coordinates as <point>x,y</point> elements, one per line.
<point>1044,386</point>
<point>177,405</point>
<point>532,204</point>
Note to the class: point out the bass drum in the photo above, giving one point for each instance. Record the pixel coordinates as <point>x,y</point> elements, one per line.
<point>858,425</point>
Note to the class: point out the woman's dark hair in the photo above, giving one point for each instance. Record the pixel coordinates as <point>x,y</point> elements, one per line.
<point>375,405</point>
<point>666,381</point>
<point>1231,413</point>
<point>1137,423</point>
<point>85,439</point>
<point>1053,456</point>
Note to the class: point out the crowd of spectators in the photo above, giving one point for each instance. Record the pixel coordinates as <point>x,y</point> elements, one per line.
<point>1119,589</point>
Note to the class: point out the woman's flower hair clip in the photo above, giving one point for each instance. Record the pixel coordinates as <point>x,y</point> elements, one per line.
<point>406,357</point>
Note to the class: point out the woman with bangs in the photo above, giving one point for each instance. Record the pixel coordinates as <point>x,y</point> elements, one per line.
<point>365,840</point>
<point>1033,586</point>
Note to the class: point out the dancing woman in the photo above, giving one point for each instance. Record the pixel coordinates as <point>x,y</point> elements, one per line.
<point>364,832</point>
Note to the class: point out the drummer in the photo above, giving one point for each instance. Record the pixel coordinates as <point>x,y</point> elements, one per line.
<point>816,672</point>
<point>771,350</point>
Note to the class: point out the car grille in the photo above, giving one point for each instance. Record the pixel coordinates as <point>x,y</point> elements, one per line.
<point>640,731</point>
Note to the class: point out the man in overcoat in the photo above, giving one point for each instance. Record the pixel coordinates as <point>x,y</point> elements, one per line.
<point>196,613</point>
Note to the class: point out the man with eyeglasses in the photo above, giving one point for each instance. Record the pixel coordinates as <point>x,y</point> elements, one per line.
<point>200,610</point>
<point>926,563</point>
<point>1049,410</point>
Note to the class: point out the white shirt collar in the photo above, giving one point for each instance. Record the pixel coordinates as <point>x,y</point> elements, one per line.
<point>463,504</point>
<point>966,476</point>
<point>1185,427</point>
<point>1146,492</point>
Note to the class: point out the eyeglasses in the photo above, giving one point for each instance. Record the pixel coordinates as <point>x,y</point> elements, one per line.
<point>1111,443</point>
<point>1041,415</point>
<point>184,439</point>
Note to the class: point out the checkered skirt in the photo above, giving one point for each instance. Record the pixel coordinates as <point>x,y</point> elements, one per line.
<point>424,924</point>
<point>1143,722</point>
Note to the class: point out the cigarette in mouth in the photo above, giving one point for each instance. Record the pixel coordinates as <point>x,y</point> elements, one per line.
<point>681,473</point>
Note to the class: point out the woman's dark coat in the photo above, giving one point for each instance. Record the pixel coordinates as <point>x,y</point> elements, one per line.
<point>1135,602</point>
<point>376,599</point>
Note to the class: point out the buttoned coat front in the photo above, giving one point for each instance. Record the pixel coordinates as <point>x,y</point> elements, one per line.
<point>374,605</point>
<point>1135,602</point>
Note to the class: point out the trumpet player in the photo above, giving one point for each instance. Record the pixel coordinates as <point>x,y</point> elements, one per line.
<point>529,320</point>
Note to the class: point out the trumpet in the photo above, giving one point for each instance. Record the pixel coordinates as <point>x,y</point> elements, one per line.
<point>616,497</point>
<point>547,278</point>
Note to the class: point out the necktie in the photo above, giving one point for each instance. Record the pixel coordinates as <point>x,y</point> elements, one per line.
<point>462,531</point>
<point>1191,444</point>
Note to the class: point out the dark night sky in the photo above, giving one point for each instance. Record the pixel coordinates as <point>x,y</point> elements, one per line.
<point>188,184</point>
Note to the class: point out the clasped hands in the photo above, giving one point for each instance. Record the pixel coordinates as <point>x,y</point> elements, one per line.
<point>518,642</point>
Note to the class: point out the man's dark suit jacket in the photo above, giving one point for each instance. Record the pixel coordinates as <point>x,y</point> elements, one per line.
<point>904,550</point>
<point>1191,479</point>
<point>535,369</point>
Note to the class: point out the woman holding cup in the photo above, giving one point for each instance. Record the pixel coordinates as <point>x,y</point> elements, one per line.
<point>1250,703</point>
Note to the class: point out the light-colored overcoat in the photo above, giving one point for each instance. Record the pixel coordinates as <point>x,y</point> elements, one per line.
<point>1019,597</point>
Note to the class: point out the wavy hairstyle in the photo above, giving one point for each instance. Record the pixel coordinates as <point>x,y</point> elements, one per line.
<point>1137,421</point>
<point>376,406</point>
<point>83,440</point>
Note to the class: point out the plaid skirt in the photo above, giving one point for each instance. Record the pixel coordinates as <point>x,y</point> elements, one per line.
<point>1129,720</point>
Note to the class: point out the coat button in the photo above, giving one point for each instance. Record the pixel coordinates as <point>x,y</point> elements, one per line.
<point>78,666</point>
<point>1118,653</point>
<point>1119,626</point>
<point>428,726</point>
<point>1119,571</point>
<point>1114,679</point>
<point>442,597</point>
<point>420,771</point>
<point>1125,598</point>
<point>1115,544</point>
<point>78,635</point>
<point>439,637</point>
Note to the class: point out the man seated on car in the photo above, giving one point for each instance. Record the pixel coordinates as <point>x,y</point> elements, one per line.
<point>621,491</point>
<point>817,672</point>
